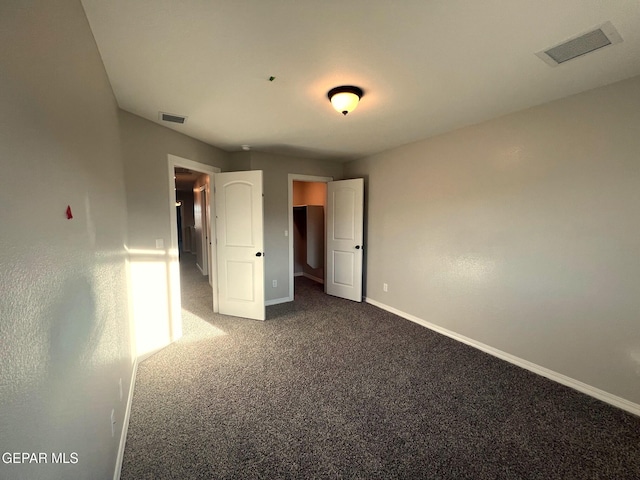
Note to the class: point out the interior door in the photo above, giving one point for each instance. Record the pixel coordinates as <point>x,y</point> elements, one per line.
<point>240,244</point>
<point>345,201</point>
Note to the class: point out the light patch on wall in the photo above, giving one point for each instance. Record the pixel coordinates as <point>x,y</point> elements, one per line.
<point>149,308</point>
<point>142,251</point>
<point>153,297</point>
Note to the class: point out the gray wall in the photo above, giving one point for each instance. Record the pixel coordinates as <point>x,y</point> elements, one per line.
<point>64,325</point>
<point>146,146</point>
<point>521,233</point>
<point>239,161</point>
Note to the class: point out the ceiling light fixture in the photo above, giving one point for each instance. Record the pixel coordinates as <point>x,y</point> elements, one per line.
<point>345,98</point>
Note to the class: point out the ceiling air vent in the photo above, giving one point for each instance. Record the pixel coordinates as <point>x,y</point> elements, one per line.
<point>597,38</point>
<point>170,117</point>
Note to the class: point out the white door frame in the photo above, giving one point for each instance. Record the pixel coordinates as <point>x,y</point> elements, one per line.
<point>212,240</point>
<point>204,238</point>
<point>298,178</point>
<point>174,161</point>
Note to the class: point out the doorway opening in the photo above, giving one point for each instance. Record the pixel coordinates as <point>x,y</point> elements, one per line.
<point>309,205</point>
<point>193,217</point>
<point>307,226</point>
<point>190,200</point>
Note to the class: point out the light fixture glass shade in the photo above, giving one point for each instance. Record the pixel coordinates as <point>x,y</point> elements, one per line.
<point>345,99</point>
<point>345,102</point>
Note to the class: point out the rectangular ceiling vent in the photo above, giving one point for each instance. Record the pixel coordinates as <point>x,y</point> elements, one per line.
<point>170,117</point>
<point>593,40</point>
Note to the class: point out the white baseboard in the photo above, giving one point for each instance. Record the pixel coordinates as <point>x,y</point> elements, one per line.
<point>594,392</point>
<point>125,423</point>
<point>276,301</point>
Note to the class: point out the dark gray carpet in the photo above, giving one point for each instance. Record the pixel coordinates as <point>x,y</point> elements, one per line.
<point>328,388</point>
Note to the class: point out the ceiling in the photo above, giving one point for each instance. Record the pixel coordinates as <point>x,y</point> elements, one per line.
<point>426,66</point>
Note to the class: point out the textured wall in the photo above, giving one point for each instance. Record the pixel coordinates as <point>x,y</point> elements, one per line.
<point>521,233</point>
<point>64,324</point>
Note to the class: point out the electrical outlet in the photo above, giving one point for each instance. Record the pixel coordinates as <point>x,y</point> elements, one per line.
<point>113,423</point>
<point>274,283</point>
<point>385,287</point>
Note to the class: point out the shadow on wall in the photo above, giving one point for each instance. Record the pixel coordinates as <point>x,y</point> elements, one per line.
<point>66,383</point>
<point>75,328</point>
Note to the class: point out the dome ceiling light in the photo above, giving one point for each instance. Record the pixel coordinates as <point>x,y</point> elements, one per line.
<point>345,98</point>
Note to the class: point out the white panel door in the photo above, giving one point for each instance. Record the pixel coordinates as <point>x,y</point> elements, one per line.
<point>345,199</point>
<point>240,244</point>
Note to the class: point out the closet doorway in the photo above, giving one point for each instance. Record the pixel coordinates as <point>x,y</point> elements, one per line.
<point>307,225</point>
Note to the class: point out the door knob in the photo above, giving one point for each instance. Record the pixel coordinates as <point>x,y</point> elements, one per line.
<point>357,247</point>
<point>259,254</point>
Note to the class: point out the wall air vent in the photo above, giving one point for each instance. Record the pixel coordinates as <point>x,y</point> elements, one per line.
<point>170,117</point>
<point>595,39</point>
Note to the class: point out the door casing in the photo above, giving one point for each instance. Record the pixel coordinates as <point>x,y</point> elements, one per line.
<point>205,247</point>
<point>174,161</point>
